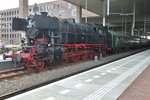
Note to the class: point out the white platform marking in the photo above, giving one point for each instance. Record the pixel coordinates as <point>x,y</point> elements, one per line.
<point>113,68</point>
<point>88,80</point>
<point>97,76</point>
<point>50,98</point>
<point>103,73</point>
<point>108,71</point>
<point>78,85</point>
<point>64,91</point>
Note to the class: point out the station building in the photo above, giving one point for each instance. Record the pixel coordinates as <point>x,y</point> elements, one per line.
<point>58,8</point>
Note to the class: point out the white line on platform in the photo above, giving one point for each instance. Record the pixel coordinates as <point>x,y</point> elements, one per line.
<point>113,68</point>
<point>108,71</point>
<point>103,73</point>
<point>50,98</point>
<point>96,76</point>
<point>88,80</point>
<point>64,91</point>
<point>78,85</point>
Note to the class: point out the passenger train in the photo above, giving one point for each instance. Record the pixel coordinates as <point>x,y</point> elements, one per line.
<point>52,41</point>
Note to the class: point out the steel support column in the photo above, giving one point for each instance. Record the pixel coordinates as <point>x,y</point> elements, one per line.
<point>23,8</point>
<point>79,14</point>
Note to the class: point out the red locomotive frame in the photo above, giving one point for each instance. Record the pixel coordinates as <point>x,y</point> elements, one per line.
<point>73,52</point>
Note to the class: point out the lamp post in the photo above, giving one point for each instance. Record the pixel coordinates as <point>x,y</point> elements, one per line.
<point>133,23</point>
<point>108,7</point>
<point>145,26</point>
<point>104,10</point>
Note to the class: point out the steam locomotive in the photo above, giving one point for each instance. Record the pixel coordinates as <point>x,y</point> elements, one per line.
<point>51,41</point>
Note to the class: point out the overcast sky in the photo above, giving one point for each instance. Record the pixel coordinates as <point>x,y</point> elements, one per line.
<point>8,4</point>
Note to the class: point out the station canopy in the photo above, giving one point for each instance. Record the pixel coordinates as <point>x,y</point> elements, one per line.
<point>126,6</point>
<point>95,6</point>
<point>116,6</point>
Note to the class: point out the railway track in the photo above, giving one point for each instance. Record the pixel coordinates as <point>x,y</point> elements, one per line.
<point>7,75</point>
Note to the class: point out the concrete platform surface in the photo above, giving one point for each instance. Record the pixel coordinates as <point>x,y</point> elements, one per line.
<point>104,83</point>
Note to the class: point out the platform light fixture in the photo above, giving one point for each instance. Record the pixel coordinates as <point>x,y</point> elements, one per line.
<point>108,7</point>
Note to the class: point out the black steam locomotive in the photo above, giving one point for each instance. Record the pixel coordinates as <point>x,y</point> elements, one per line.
<point>51,41</point>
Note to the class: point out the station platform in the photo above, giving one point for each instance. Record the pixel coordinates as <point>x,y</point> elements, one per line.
<point>106,82</point>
